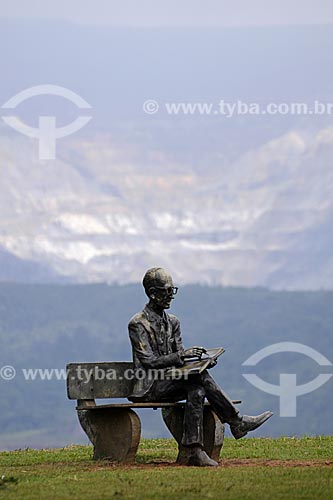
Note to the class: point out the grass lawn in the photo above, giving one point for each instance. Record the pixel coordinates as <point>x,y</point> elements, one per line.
<point>253,468</point>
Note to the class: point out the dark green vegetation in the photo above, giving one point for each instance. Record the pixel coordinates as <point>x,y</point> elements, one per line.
<point>47,326</point>
<point>285,468</point>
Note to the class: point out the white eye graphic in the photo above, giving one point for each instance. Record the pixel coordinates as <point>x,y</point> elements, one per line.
<point>47,132</point>
<point>287,390</point>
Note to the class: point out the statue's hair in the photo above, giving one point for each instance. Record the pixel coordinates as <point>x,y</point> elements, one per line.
<point>152,277</point>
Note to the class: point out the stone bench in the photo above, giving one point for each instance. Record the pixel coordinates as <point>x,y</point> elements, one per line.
<point>114,429</point>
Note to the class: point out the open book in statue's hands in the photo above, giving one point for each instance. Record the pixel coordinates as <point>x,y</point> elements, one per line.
<point>195,362</point>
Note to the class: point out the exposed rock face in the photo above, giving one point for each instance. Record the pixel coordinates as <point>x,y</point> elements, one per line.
<point>102,213</point>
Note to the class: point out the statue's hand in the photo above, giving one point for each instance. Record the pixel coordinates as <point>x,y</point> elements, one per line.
<point>195,351</point>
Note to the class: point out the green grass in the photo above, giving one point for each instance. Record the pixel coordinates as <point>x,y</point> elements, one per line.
<point>70,473</point>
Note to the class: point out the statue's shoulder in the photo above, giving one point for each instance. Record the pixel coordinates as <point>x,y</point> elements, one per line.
<point>139,317</point>
<point>174,320</point>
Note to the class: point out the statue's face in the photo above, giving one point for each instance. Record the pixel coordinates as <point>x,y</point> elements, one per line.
<point>164,291</point>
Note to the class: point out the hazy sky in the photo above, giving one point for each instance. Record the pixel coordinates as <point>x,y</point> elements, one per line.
<point>173,12</point>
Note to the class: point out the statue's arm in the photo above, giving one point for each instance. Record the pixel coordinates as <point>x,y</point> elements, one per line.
<point>141,346</point>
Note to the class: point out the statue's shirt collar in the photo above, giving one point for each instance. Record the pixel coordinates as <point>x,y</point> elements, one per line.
<point>154,317</point>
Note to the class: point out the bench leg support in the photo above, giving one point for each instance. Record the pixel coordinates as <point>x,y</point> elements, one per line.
<point>115,433</point>
<point>213,432</point>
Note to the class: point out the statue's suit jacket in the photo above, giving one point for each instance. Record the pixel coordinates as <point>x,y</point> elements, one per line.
<point>156,344</point>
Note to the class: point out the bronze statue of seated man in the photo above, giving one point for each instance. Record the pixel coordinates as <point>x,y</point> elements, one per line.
<point>156,342</point>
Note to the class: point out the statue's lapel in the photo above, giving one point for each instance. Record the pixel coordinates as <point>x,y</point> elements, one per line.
<point>169,331</point>
<point>150,324</point>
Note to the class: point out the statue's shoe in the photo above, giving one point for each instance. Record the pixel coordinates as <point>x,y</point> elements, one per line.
<point>247,423</point>
<point>200,458</point>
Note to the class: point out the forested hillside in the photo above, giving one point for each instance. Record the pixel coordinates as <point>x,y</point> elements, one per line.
<point>47,326</point>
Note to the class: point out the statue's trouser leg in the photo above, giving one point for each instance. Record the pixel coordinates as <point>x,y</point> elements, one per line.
<point>194,393</point>
<point>219,400</point>
<point>193,416</point>
<point>195,389</point>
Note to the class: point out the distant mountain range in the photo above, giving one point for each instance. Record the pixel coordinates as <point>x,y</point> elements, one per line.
<point>14,269</point>
<point>246,201</point>
<point>265,220</point>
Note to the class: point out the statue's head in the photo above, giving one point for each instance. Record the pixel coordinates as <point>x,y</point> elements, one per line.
<point>159,287</point>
